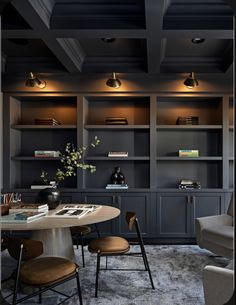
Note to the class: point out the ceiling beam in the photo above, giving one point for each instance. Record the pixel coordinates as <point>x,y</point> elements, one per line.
<point>65,52</point>
<point>154,19</point>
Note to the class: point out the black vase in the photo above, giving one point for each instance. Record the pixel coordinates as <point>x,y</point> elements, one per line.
<point>49,196</point>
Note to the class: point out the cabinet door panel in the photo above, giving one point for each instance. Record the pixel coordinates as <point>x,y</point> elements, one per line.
<point>106,227</point>
<point>138,204</point>
<point>206,205</point>
<point>173,215</point>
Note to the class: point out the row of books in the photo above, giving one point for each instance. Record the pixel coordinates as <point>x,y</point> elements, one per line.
<point>46,121</point>
<point>118,154</point>
<point>187,120</point>
<point>189,185</point>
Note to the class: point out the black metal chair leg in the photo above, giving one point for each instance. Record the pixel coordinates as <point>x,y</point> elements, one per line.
<point>97,273</point>
<point>17,277</point>
<point>148,268</point>
<point>79,288</point>
<point>77,242</point>
<point>40,297</point>
<point>82,249</point>
<point>106,262</point>
<point>97,230</point>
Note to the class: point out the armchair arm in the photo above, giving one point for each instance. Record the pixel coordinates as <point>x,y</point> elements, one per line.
<point>209,221</point>
<point>217,284</point>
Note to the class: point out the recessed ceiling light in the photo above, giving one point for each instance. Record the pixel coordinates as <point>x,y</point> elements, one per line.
<point>108,39</point>
<point>197,40</point>
<point>19,41</point>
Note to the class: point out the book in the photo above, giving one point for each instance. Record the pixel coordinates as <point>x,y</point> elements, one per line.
<point>117,154</point>
<point>22,217</point>
<point>190,153</point>
<point>29,207</point>
<point>188,120</point>
<point>75,211</point>
<point>46,121</point>
<point>116,186</point>
<point>40,186</point>
<point>116,121</point>
<point>46,153</point>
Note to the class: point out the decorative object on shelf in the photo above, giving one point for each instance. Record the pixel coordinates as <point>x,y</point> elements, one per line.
<point>191,81</point>
<point>187,120</point>
<point>189,153</point>
<point>71,161</point>
<point>197,40</point>
<point>117,177</point>
<point>113,81</point>
<point>116,121</point>
<point>9,198</point>
<point>117,154</point>
<point>46,121</point>
<point>189,184</point>
<point>47,153</point>
<point>33,81</point>
<point>4,208</point>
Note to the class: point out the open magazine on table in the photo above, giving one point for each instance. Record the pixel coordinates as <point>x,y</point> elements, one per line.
<point>75,210</point>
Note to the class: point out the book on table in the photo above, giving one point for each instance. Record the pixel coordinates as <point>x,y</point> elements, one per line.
<point>22,217</point>
<point>34,207</point>
<point>75,210</point>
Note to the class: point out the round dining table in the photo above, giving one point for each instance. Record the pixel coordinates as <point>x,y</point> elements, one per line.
<point>54,232</point>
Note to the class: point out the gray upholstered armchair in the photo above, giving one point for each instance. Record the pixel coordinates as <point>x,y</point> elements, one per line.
<point>216,233</point>
<point>218,284</point>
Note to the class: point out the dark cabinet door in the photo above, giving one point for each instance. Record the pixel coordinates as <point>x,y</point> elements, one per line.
<point>138,203</point>
<point>173,215</point>
<point>107,227</point>
<point>206,204</point>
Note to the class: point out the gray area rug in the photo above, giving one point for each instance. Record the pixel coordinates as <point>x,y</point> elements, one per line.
<point>176,270</point>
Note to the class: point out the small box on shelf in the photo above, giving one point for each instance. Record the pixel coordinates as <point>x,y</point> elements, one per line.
<point>190,153</point>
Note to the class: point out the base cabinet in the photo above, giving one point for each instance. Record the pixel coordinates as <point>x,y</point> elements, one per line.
<point>176,212</point>
<point>163,216</point>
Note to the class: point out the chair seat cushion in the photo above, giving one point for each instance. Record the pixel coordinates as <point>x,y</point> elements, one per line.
<point>109,245</point>
<point>81,230</point>
<point>220,235</point>
<point>45,270</point>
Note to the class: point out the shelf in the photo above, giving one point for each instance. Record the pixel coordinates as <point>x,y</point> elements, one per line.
<point>231,158</point>
<point>43,127</point>
<point>188,127</point>
<point>189,159</point>
<point>26,158</point>
<point>142,158</point>
<point>231,127</point>
<point>116,127</point>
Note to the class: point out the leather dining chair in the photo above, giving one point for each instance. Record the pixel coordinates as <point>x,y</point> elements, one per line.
<point>43,273</point>
<point>117,246</point>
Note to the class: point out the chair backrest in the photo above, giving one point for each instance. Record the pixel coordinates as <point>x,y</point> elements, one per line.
<point>130,219</point>
<point>31,248</point>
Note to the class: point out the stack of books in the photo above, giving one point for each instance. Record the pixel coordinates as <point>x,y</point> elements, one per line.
<point>47,153</point>
<point>187,120</point>
<point>189,184</point>
<point>118,154</point>
<point>116,121</point>
<point>117,186</point>
<point>22,217</point>
<point>46,121</point>
<point>189,153</point>
<point>29,207</point>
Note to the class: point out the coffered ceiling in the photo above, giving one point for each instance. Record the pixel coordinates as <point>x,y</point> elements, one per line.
<point>128,36</point>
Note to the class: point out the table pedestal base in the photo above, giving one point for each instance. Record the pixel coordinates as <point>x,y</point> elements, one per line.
<point>56,242</point>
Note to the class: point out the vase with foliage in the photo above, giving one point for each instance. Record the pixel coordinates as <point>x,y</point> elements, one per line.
<point>71,159</point>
